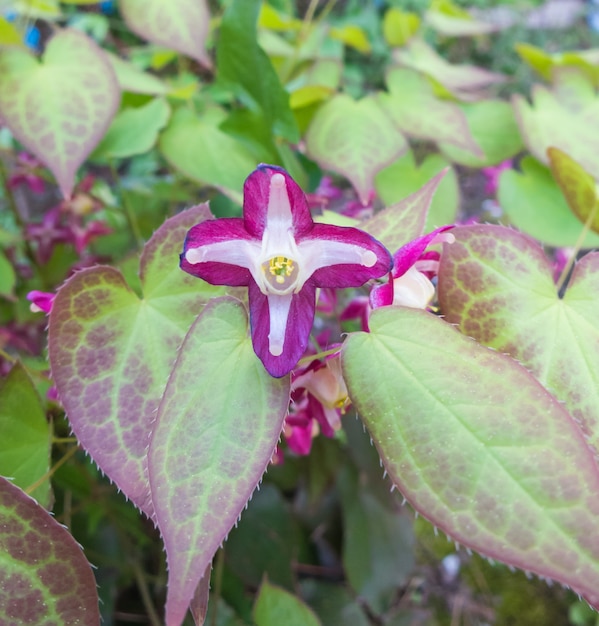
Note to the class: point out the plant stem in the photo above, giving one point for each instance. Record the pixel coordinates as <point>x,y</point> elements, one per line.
<point>319,355</point>
<point>51,471</point>
<point>14,209</point>
<point>577,246</point>
<point>142,586</point>
<point>129,212</point>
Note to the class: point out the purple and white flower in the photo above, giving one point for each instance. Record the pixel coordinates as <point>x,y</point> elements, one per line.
<point>282,256</point>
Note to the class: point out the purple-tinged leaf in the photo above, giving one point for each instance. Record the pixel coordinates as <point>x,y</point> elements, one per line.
<point>416,112</point>
<point>577,186</point>
<point>497,286</point>
<point>59,109</point>
<point>44,577</point>
<point>216,430</point>
<point>457,25</point>
<point>464,81</point>
<point>111,353</point>
<point>478,446</point>
<point>26,434</point>
<point>180,25</point>
<point>549,122</point>
<point>198,606</point>
<point>397,224</point>
<point>355,139</point>
<point>275,606</point>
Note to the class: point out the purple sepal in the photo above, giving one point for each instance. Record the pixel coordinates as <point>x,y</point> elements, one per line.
<point>382,295</point>
<point>297,333</point>
<point>407,255</point>
<point>256,191</point>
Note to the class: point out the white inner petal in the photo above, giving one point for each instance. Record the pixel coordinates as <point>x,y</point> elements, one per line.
<point>317,253</point>
<point>413,289</point>
<point>236,252</point>
<point>278,308</point>
<point>279,219</point>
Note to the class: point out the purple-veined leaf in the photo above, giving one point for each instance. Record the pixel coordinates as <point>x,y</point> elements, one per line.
<point>549,122</point>
<point>111,353</point>
<point>577,186</point>
<point>497,285</point>
<point>216,430</point>
<point>534,204</point>
<point>412,106</point>
<point>59,109</point>
<point>44,577</point>
<point>397,224</point>
<point>25,434</point>
<point>181,25</point>
<point>355,139</point>
<point>275,606</point>
<point>478,446</point>
<point>464,81</point>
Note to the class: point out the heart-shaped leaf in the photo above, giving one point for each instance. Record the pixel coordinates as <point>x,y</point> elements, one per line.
<point>497,285</point>
<point>26,434</point>
<point>355,139</point>
<point>403,177</point>
<point>406,220</point>
<point>45,577</point>
<point>418,113</point>
<point>181,25</point>
<point>59,109</point>
<point>549,122</point>
<point>534,203</point>
<point>111,353</point>
<point>215,433</point>
<point>478,446</point>
<point>578,187</point>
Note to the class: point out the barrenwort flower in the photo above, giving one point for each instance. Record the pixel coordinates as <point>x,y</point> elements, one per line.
<point>282,256</point>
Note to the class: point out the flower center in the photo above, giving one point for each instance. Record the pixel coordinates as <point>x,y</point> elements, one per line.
<point>280,273</point>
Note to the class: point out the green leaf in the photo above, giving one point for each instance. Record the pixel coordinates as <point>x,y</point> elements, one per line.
<point>493,127</point>
<point>457,26</point>
<point>8,278</point>
<point>399,26</point>
<point>418,113</point>
<point>244,68</point>
<point>497,285</point>
<point>378,554</point>
<point>111,353</point>
<point>477,445</point>
<point>9,35</point>
<point>181,25</point>
<point>404,177</point>
<point>358,154</point>
<point>268,539</point>
<point>45,577</point>
<point>353,36</point>
<point>275,606</point>
<point>199,149</point>
<point>61,108</point>
<point>215,433</point>
<point>534,203</point>
<point>461,80</point>
<point>405,220</point>
<point>133,131</point>
<point>578,187</point>
<point>563,124</point>
<point>25,434</point>
<point>132,79</point>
